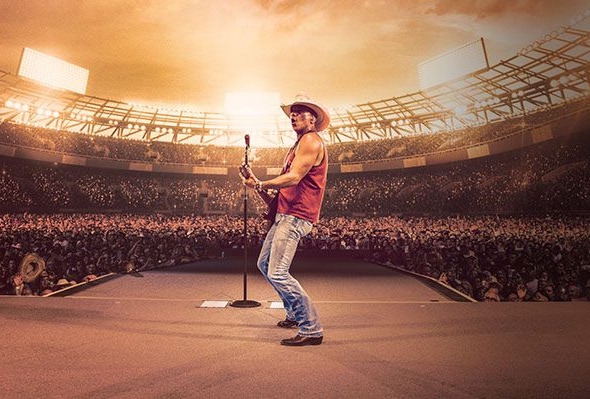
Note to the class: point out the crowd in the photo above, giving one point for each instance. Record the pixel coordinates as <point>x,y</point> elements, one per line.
<point>80,247</point>
<point>489,258</point>
<point>97,221</point>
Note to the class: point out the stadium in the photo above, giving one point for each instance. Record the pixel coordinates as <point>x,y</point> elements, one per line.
<point>125,229</point>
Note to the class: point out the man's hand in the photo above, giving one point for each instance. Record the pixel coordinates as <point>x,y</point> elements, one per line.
<point>248,177</point>
<point>521,291</point>
<point>17,279</point>
<point>245,171</point>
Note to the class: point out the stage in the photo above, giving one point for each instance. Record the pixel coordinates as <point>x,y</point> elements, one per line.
<point>387,335</point>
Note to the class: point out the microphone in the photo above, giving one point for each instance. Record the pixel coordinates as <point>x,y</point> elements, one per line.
<point>247,140</point>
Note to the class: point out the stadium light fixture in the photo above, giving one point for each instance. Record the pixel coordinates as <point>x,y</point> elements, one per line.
<point>51,71</point>
<point>464,60</point>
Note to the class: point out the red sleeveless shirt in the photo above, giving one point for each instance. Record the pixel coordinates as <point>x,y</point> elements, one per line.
<point>304,200</point>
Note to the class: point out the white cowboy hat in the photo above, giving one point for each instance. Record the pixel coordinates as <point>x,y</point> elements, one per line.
<point>321,113</point>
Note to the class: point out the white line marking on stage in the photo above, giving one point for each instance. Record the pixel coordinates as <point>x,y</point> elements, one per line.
<point>214,304</point>
<point>273,304</point>
<point>383,302</point>
<point>134,299</point>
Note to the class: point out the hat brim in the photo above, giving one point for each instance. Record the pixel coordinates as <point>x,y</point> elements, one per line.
<point>322,115</point>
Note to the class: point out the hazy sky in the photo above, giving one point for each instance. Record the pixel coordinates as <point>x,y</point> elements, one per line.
<point>193,52</point>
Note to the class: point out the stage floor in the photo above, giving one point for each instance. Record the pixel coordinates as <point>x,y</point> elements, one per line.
<point>386,335</point>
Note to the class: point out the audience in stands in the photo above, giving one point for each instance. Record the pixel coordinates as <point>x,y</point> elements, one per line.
<point>550,177</point>
<point>399,146</point>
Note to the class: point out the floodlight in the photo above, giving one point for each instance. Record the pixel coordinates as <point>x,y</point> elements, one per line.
<point>51,71</point>
<point>464,60</point>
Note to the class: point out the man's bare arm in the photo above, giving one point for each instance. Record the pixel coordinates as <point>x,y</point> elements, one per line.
<point>307,153</point>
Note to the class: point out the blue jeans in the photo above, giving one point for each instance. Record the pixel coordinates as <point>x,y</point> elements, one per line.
<point>274,261</point>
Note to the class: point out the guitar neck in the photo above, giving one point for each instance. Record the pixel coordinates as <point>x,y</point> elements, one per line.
<point>265,196</point>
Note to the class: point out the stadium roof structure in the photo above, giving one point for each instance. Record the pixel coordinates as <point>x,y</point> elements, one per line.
<point>546,73</point>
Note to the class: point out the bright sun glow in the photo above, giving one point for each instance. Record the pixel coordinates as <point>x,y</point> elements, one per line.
<point>252,104</point>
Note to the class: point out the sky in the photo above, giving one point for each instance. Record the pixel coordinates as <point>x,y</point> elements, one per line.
<point>189,53</point>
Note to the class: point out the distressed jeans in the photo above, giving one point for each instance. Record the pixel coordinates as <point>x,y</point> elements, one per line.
<point>274,262</point>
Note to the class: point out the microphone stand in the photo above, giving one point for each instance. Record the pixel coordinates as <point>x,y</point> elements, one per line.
<point>245,303</point>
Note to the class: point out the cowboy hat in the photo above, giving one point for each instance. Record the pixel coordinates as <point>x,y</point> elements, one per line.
<point>62,282</point>
<point>321,113</point>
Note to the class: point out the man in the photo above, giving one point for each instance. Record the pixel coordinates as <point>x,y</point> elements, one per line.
<point>301,189</point>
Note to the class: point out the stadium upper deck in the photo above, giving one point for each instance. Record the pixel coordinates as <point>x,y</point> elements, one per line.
<point>547,73</point>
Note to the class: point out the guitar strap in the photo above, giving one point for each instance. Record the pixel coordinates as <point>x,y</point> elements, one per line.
<point>288,158</point>
<point>287,163</point>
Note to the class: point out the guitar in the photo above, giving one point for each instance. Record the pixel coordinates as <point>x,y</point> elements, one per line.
<point>270,197</point>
